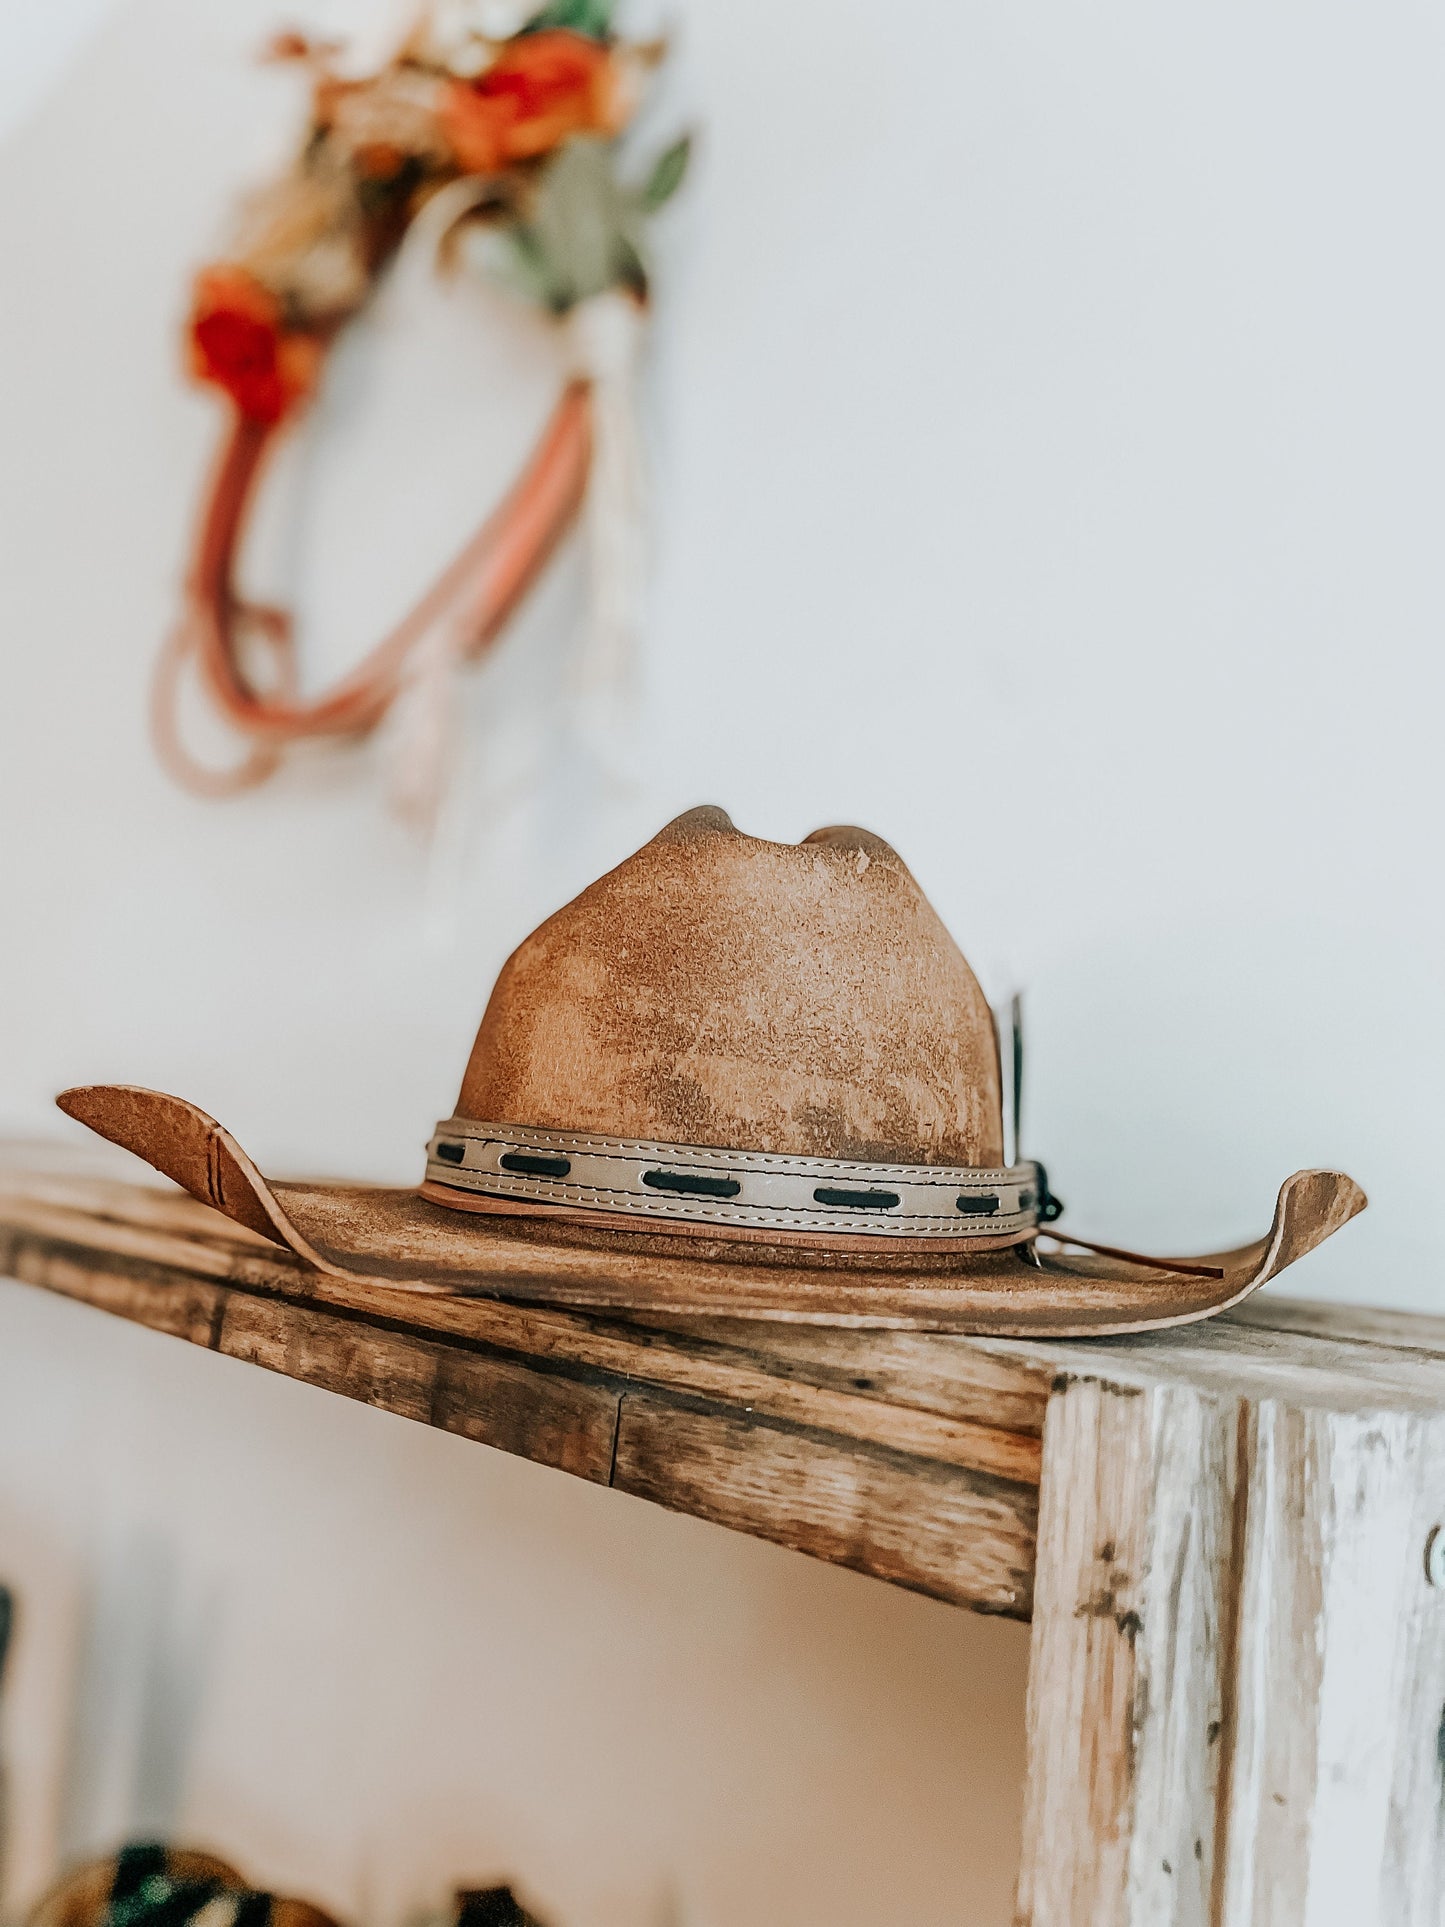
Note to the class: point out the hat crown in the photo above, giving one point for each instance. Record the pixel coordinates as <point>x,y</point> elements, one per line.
<point>717,989</point>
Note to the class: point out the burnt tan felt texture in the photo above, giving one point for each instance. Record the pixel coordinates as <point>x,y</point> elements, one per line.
<point>716,989</point>
<point>719,990</point>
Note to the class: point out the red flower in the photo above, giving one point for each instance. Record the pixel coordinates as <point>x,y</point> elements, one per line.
<point>539,90</point>
<point>238,342</point>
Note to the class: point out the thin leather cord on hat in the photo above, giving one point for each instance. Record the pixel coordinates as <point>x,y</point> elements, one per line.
<point>476,592</point>
<point>1186,1266</point>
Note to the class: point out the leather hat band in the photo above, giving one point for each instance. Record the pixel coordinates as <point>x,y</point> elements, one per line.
<point>703,1185</point>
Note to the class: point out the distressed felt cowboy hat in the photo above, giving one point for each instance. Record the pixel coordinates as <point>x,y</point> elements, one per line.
<point>740,1077</point>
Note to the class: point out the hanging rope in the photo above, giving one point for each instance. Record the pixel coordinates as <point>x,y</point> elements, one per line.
<point>475,594</point>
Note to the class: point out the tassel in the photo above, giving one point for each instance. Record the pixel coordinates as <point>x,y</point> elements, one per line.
<point>606,335</point>
<point>423,728</point>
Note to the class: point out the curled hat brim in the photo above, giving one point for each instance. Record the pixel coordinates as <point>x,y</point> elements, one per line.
<point>368,1233</point>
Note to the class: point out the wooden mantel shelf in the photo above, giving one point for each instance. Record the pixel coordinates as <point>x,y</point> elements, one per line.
<point>1220,1533</point>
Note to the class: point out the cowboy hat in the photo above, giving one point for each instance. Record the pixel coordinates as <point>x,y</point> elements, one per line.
<point>740,1077</point>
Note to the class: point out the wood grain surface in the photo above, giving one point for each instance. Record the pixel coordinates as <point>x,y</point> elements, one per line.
<point>927,1478</point>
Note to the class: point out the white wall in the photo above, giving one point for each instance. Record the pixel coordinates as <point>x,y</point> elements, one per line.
<point>1046,407</point>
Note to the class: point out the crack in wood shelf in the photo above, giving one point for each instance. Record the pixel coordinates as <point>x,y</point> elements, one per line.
<point>1237,1675</point>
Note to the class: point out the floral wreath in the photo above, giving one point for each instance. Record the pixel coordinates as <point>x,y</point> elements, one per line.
<point>517,137</point>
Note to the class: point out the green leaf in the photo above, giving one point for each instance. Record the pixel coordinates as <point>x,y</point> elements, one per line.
<point>530,271</point>
<point>582,231</point>
<point>667,173</point>
<point>514,258</point>
<point>631,267</point>
<point>590,17</point>
<point>578,219</point>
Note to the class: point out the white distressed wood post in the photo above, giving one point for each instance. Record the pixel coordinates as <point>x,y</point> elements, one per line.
<point>1126,1709</point>
<point>1237,1689</point>
<point>1334,1814</point>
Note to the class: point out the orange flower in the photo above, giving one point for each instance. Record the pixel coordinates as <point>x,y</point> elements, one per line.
<point>238,342</point>
<point>540,89</point>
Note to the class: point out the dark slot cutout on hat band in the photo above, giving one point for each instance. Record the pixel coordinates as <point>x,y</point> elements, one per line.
<point>451,1153</point>
<point>985,1207</point>
<point>691,1185</point>
<point>857,1200</point>
<point>528,1164</point>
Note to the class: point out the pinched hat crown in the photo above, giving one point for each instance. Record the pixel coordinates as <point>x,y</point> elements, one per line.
<point>800,999</point>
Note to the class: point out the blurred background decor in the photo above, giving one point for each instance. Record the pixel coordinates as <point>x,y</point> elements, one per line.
<point>492,1907</point>
<point>145,1882</point>
<point>499,149</point>
<point>7,1629</point>
<point>150,1884</point>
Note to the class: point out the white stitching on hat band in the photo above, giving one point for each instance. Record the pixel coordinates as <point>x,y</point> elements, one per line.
<point>704,1185</point>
